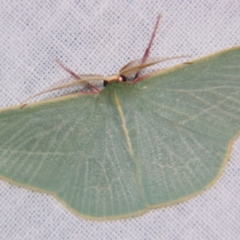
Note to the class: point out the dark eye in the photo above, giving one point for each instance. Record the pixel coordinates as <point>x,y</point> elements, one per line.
<point>122,78</point>
<point>105,83</point>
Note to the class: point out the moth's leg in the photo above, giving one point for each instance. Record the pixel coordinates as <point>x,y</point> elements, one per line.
<point>77,77</point>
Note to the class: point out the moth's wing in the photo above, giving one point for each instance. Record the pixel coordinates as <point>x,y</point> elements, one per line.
<point>74,149</point>
<point>189,120</point>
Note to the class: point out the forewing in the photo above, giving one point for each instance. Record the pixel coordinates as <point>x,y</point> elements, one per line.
<point>186,128</point>
<point>73,149</point>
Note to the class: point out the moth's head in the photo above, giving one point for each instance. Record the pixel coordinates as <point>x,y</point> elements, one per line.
<point>120,78</point>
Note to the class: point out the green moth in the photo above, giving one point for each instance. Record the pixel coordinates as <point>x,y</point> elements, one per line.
<point>131,147</point>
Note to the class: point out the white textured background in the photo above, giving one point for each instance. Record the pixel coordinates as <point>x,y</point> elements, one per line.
<point>100,37</point>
